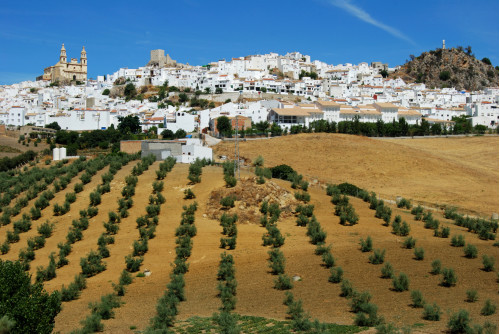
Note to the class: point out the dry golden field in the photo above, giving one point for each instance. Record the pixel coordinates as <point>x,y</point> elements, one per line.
<point>430,171</point>
<point>461,172</point>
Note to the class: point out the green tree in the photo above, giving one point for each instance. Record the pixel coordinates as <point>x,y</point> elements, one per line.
<point>487,61</point>
<point>262,126</point>
<point>224,126</point>
<point>129,123</point>
<point>444,75</point>
<point>180,134</point>
<point>168,134</point>
<point>183,97</point>
<point>106,92</point>
<point>384,73</point>
<point>31,308</point>
<point>130,91</point>
<point>53,125</point>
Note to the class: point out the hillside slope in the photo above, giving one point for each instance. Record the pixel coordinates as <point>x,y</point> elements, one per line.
<point>454,171</point>
<point>449,68</point>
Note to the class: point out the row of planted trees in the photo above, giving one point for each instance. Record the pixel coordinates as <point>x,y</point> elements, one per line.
<point>146,224</point>
<point>400,283</point>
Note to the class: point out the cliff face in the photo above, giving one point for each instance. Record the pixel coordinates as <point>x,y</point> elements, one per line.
<point>449,68</point>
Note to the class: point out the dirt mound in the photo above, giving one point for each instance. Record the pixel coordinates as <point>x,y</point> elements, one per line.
<point>248,197</point>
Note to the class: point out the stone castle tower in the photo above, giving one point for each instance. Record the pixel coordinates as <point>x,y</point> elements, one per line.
<point>159,59</point>
<point>65,71</point>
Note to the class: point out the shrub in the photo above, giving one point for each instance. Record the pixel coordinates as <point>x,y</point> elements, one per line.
<point>404,203</point>
<point>488,263</point>
<point>227,202</point>
<point>459,322</point>
<point>417,299</point>
<point>5,247</point>
<point>346,288</point>
<point>470,251</point>
<point>336,275</point>
<point>489,308</point>
<point>328,259</point>
<point>303,196</point>
<point>276,261</point>
<point>259,161</point>
<point>73,290</point>
<point>377,257</point>
<point>449,277</point>
<point>85,178</point>
<point>189,194</point>
<point>445,232</point>
<point>409,242</point>
<point>368,317</point>
<point>104,309</point>
<point>471,296</point>
<point>111,228</point>
<point>401,283</point>
<point>12,237</point>
<point>432,312</point>
<point>133,264</point>
<point>230,181</point>
<point>283,282</point>
<point>283,172</point>
<point>366,245</point>
<point>458,241</point>
<point>70,197</point>
<point>418,212</point>
<point>92,264</point>
<point>36,213</point>
<point>359,300</point>
<point>387,271</point>
<point>419,253</point>
<point>23,225</point>
<point>436,267</point>
<point>46,229</point>
<point>95,198</point>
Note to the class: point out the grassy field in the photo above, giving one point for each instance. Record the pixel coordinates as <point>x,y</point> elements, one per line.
<point>259,305</point>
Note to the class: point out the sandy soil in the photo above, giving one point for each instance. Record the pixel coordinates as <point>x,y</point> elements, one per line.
<point>454,171</point>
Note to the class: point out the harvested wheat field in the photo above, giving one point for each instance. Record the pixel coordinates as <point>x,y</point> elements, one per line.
<point>160,208</point>
<point>461,172</point>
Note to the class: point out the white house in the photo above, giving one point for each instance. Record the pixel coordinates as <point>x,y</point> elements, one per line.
<point>82,119</point>
<point>180,120</point>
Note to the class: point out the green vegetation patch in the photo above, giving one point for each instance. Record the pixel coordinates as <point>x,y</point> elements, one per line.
<point>8,149</point>
<point>251,324</point>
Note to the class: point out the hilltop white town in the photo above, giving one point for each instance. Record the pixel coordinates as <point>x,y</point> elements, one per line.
<point>287,90</point>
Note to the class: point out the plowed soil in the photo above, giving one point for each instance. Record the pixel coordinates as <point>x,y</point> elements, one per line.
<point>255,292</point>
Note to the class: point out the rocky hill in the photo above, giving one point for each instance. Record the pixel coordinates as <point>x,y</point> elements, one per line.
<point>453,67</point>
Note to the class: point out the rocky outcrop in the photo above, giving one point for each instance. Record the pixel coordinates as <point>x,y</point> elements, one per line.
<point>248,197</point>
<point>454,67</point>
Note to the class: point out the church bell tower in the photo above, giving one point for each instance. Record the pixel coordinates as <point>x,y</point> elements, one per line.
<point>62,57</point>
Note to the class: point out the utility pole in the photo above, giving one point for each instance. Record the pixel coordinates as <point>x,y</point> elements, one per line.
<point>237,152</point>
